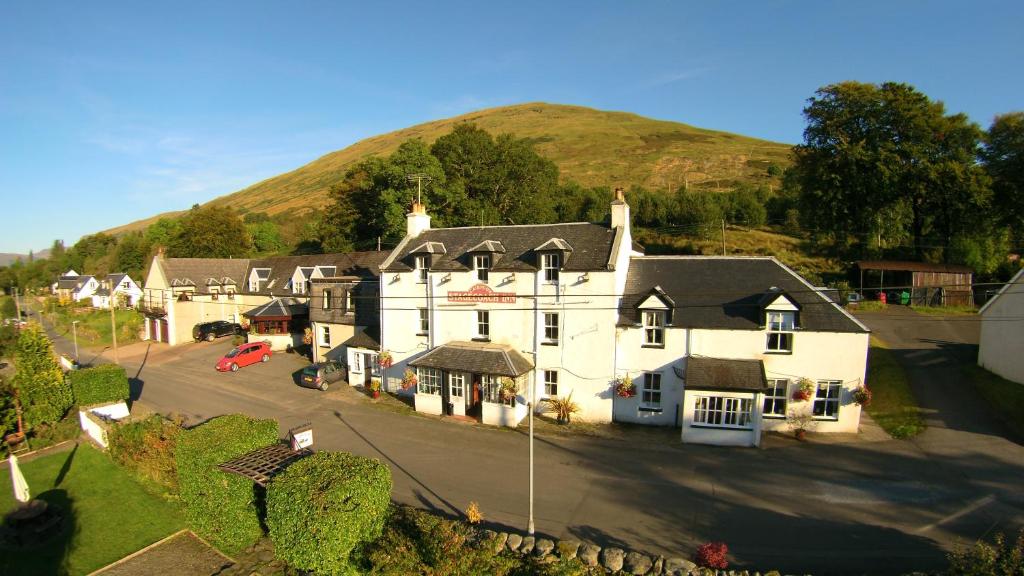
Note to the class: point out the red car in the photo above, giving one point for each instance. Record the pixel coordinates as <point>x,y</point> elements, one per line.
<point>244,355</point>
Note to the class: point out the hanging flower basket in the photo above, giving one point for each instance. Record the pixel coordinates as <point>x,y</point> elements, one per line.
<point>805,392</point>
<point>307,336</point>
<point>384,359</point>
<point>862,396</point>
<point>508,389</point>
<point>408,379</point>
<point>624,387</point>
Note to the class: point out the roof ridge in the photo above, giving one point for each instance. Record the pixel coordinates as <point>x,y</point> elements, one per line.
<point>515,226</point>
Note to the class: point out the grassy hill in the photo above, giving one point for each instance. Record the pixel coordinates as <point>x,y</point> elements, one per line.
<point>592,147</point>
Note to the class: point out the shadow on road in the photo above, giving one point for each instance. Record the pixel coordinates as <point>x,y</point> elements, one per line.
<point>394,463</point>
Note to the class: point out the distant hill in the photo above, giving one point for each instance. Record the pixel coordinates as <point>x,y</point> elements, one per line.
<point>592,147</point>
<point>8,258</point>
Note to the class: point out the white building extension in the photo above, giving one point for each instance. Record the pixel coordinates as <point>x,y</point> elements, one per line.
<point>1002,331</point>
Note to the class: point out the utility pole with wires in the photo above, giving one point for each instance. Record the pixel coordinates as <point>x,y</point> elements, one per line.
<point>17,302</point>
<point>419,177</point>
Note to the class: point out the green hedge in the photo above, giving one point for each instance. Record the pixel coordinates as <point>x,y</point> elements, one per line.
<point>323,506</point>
<point>146,447</point>
<point>220,506</point>
<point>102,384</point>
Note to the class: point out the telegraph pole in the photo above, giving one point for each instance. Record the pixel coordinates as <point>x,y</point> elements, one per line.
<point>113,331</point>
<point>723,236</point>
<point>17,302</point>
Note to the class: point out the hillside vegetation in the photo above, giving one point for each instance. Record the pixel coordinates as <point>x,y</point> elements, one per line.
<point>591,147</point>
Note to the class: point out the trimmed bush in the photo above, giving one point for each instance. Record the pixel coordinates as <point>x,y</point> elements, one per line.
<point>146,447</point>
<point>984,559</point>
<point>44,394</point>
<point>220,506</point>
<point>103,384</point>
<point>323,506</point>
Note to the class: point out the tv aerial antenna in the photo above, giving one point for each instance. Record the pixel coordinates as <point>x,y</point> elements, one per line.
<point>419,177</point>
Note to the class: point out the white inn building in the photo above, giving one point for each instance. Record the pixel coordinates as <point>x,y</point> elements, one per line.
<point>487,317</point>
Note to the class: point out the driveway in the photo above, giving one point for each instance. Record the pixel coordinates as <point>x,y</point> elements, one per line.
<point>829,506</point>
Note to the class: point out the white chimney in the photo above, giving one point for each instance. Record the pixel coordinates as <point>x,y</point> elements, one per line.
<point>416,221</point>
<point>620,211</point>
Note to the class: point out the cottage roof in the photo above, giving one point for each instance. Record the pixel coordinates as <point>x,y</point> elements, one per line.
<point>591,246</point>
<point>278,308</point>
<point>81,281</point>
<point>725,293</point>
<point>279,269</point>
<point>477,357</point>
<point>116,278</point>
<point>1017,280</point>
<point>704,373</point>
<point>67,282</point>
<point>368,339</point>
<point>196,271</point>
<point>909,266</point>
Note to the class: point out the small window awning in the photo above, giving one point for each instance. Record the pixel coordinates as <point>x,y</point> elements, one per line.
<point>725,374</point>
<point>477,357</point>
<point>263,464</point>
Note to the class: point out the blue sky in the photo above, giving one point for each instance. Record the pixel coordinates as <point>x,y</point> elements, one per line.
<point>111,112</point>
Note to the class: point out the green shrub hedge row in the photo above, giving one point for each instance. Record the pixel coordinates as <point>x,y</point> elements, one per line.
<point>323,506</point>
<point>146,447</point>
<point>219,506</point>
<point>102,384</point>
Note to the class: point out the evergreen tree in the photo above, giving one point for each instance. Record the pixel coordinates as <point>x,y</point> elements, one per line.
<point>44,394</point>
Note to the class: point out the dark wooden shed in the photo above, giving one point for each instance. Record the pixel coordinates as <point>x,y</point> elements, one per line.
<point>929,284</point>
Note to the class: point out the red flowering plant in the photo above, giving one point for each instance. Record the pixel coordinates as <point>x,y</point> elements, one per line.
<point>712,555</point>
<point>805,392</point>
<point>862,396</point>
<point>624,387</point>
<point>409,379</point>
<point>384,359</point>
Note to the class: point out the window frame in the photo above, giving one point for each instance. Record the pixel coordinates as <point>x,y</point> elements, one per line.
<point>551,330</point>
<point>325,336</point>
<point>482,271</point>
<point>827,400</point>
<point>651,387</point>
<point>357,363</point>
<point>551,265</point>
<point>774,398</point>
<point>424,322</point>
<point>716,411</point>
<point>653,329</point>
<point>778,331</point>
<point>421,265</point>
<point>483,320</point>
<point>551,385</point>
<point>461,377</point>
<point>326,299</point>
<point>428,381</point>
<point>348,301</point>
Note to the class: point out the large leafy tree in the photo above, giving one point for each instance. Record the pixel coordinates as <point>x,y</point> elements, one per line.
<point>887,158</point>
<point>44,394</point>
<point>210,232</point>
<point>1003,155</point>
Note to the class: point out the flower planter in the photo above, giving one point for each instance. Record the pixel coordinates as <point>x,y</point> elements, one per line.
<point>801,435</point>
<point>375,394</point>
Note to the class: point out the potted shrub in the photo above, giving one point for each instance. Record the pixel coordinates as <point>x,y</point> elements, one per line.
<point>800,421</point>
<point>508,390</point>
<point>375,389</point>
<point>624,387</point>
<point>862,396</point>
<point>384,359</point>
<point>805,391</point>
<point>563,408</point>
<point>408,379</point>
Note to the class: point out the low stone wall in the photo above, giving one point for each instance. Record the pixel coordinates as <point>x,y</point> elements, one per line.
<point>614,560</point>
<point>96,420</point>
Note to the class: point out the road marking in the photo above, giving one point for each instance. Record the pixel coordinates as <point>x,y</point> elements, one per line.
<point>973,506</point>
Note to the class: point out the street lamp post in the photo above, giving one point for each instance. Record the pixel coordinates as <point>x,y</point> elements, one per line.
<point>74,331</point>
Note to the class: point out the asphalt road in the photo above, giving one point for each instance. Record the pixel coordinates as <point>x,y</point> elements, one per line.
<point>837,505</point>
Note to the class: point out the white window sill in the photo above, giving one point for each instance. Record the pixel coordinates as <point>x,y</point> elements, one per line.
<point>723,427</point>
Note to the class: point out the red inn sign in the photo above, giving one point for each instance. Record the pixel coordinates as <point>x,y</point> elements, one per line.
<point>482,293</point>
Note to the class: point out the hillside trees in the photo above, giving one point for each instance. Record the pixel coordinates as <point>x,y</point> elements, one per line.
<point>887,158</point>
<point>45,396</point>
<point>210,232</point>
<point>1003,155</point>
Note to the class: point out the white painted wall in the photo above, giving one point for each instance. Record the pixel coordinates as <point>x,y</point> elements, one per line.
<point>93,420</point>
<point>1002,332</point>
<point>695,434</point>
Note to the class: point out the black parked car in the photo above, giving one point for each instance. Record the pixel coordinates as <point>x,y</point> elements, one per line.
<point>210,330</point>
<point>320,375</point>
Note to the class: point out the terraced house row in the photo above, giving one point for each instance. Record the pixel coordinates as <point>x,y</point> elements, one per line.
<point>480,322</point>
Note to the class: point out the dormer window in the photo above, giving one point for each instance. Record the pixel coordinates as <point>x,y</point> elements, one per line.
<point>654,327</point>
<point>780,327</point>
<point>422,266</point>
<point>482,264</point>
<point>550,264</point>
<point>257,277</point>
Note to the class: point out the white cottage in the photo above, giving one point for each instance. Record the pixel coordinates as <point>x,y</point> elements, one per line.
<point>117,289</point>
<point>1002,331</point>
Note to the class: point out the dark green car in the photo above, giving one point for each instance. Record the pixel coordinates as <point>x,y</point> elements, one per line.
<point>321,375</point>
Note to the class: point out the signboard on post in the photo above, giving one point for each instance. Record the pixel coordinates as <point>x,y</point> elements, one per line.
<point>301,437</point>
<point>482,293</point>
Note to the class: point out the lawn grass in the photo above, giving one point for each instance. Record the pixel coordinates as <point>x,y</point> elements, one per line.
<point>108,515</point>
<point>945,310</point>
<point>94,325</point>
<point>870,306</point>
<point>893,405</point>
<point>1005,398</point>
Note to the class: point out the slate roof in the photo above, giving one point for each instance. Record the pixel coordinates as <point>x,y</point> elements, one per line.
<point>199,270</point>
<point>479,357</point>
<point>359,264</point>
<point>591,246</point>
<point>724,293</point>
<point>81,281</point>
<point>279,308</point>
<point>725,374</point>
<point>369,339</point>
<point>67,282</point>
<point>116,278</point>
<point>102,292</point>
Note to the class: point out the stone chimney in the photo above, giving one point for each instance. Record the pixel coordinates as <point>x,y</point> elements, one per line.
<point>620,210</point>
<point>417,221</point>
